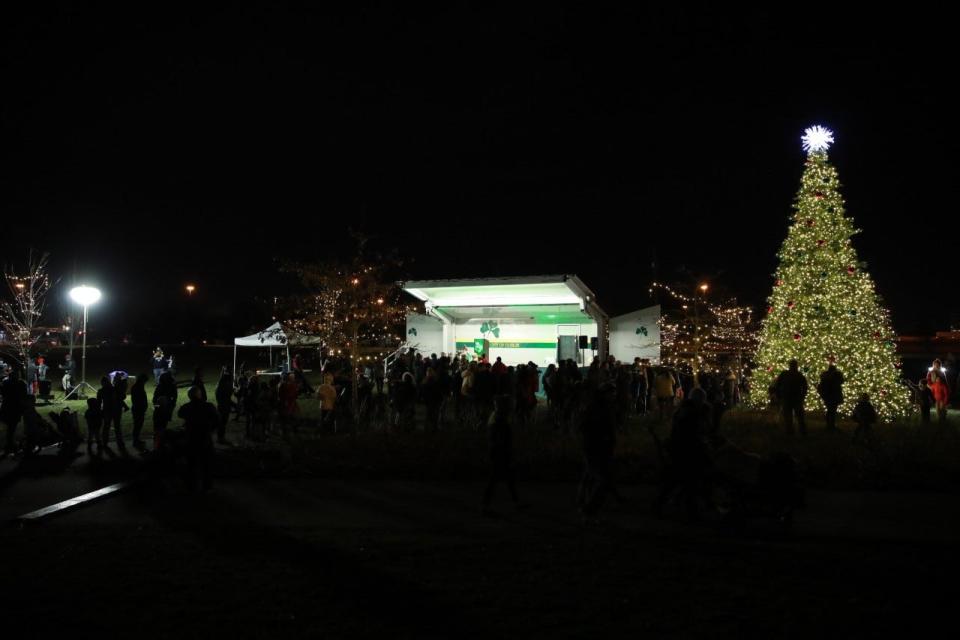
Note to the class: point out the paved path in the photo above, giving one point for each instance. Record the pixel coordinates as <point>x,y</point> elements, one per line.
<point>316,557</point>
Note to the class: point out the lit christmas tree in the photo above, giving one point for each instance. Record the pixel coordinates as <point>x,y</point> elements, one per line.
<point>824,307</point>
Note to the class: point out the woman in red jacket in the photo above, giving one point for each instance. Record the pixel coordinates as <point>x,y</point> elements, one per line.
<point>937,383</point>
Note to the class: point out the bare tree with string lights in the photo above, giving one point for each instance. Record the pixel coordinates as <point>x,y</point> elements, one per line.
<point>21,310</point>
<point>354,304</point>
<point>700,335</point>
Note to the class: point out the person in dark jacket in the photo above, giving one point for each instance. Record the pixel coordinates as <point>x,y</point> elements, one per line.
<point>162,415</point>
<point>831,392</point>
<point>166,388</point>
<point>94,418</point>
<point>14,400</point>
<point>598,432</point>
<point>925,397</point>
<point>224,395</point>
<point>138,407</point>
<point>689,452</point>
<point>639,385</point>
<point>865,416</point>
<point>198,383</point>
<point>791,390</point>
<point>200,421</point>
<point>404,399</point>
<point>108,401</point>
<point>501,452</point>
<point>432,396</point>
<point>119,406</point>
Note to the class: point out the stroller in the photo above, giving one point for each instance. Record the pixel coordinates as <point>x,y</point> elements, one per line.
<point>746,485</point>
<point>171,448</point>
<point>67,424</point>
<point>736,484</point>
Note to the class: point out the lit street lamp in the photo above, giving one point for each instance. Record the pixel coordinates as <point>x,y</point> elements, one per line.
<point>84,296</point>
<point>190,289</point>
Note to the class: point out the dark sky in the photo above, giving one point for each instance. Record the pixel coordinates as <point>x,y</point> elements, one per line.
<point>155,147</point>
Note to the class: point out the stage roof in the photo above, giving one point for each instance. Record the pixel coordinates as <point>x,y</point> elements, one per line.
<point>524,291</point>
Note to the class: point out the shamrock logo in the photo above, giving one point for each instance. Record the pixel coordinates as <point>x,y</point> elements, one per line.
<point>641,330</point>
<point>490,326</point>
<point>412,331</point>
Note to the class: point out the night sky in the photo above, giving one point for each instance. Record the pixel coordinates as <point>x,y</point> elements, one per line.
<point>148,149</point>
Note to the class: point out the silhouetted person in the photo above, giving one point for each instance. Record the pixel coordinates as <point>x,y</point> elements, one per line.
<point>166,388</point>
<point>162,415</point>
<point>665,391</point>
<point>791,389</point>
<point>499,372</point>
<point>119,406</point>
<point>598,432</point>
<point>198,383</point>
<point>223,395</point>
<point>108,402</point>
<point>138,407</point>
<point>94,418</point>
<point>404,399</point>
<point>200,421</point>
<point>432,395</point>
<point>378,377</point>
<point>689,453</point>
<point>13,392</point>
<point>639,385</point>
<point>865,416</point>
<point>831,392</point>
<point>925,397</point>
<point>501,452</point>
<point>484,388</point>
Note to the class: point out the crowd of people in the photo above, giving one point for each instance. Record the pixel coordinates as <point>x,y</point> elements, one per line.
<point>454,392</point>
<point>791,388</point>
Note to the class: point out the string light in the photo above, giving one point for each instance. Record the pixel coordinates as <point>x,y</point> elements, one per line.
<point>705,336</point>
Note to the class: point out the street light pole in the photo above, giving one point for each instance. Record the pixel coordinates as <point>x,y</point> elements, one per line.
<point>83,357</point>
<point>84,296</point>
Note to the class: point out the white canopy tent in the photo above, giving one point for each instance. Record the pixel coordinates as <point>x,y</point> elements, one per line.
<point>274,336</point>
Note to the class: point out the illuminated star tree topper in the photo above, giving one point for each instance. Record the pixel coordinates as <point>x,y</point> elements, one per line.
<point>817,139</point>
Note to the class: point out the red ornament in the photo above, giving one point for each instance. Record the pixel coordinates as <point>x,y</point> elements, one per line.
<point>796,337</point>
<point>820,243</point>
<point>851,270</point>
<point>779,282</point>
<point>818,195</point>
<point>791,304</point>
<point>876,334</point>
<point>769,309</point>
<point>810,222</point>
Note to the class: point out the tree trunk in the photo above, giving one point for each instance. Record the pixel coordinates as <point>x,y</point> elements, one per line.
<point>354,361</point>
